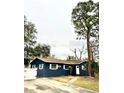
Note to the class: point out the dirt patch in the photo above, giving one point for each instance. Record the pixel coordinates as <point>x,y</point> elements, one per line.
<point>26,90</point>
<point>56,90</point>
<point>42,87</point>
<point>64,79</point>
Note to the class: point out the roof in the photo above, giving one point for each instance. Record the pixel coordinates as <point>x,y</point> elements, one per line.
<point>54,60</point>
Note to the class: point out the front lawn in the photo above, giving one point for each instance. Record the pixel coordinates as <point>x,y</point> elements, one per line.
<point>92,84</point>
<point>85,82</point>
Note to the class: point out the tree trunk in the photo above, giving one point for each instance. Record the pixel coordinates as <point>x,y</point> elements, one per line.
<point>89,53</point>
<point>92,60</point>
<point>92,55</point>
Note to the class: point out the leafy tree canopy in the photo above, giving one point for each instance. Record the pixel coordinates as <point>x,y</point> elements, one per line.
<point>29,37</point>
<point>41,50</point>
<point>85,17</point>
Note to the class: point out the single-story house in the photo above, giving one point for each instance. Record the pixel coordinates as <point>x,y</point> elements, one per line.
<point>51,67</point>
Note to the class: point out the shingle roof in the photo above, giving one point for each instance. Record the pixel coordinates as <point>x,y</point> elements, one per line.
<point>54,60</point>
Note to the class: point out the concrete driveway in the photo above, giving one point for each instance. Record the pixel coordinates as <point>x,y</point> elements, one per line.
<point>45,85</point>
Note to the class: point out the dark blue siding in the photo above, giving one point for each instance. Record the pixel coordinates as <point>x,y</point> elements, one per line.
<point>46,72</point>
<point>83,72</point>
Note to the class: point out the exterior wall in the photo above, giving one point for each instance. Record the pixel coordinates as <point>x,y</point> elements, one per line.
<point>83,72</point>
<point>46,72</point>
<point>72,70</point>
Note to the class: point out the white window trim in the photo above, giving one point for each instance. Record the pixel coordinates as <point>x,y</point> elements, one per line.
<point>65,68</point>
<point>50,67</point>
<point>83,68</point>
<point>41,66</point>
<point>33,66</point>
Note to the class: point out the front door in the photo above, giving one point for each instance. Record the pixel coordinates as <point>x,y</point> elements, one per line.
<point>77,70</point>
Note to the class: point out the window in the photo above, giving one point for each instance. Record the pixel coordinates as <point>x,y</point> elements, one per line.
<point>65,67</point>
<point>33,66</point>
<point>41,66</point>
<point>53,66</point>
<point>77,66</point>
<point>59,66</point>
<point>83,68</point>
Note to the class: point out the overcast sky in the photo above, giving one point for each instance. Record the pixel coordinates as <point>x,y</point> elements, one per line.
<point>52,19</point>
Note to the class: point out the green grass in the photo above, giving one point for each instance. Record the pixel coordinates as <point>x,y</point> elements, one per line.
<point>92,84</point>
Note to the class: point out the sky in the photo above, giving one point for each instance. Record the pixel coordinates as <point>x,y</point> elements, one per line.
<point>52,19</point>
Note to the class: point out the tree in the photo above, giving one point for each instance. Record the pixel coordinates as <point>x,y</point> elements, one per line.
<point>70,58</point>
<point>29,37</point>
<point>75,57</point>
<point>41,50</point>
<point>95,49</point>
<point>85,17</point>
<point>78,53</point>
<point>53,56</point>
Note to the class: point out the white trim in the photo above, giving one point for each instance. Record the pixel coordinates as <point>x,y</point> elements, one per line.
<point>50,67</point>
<point>34,66</point>
<point>65,68</point>
<point>77,70</point>
<point>41,66</point>
<point>59,66</point>
<point>83,68</point>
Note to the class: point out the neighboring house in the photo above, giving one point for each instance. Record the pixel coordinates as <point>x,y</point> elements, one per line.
<point>48,67</point>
